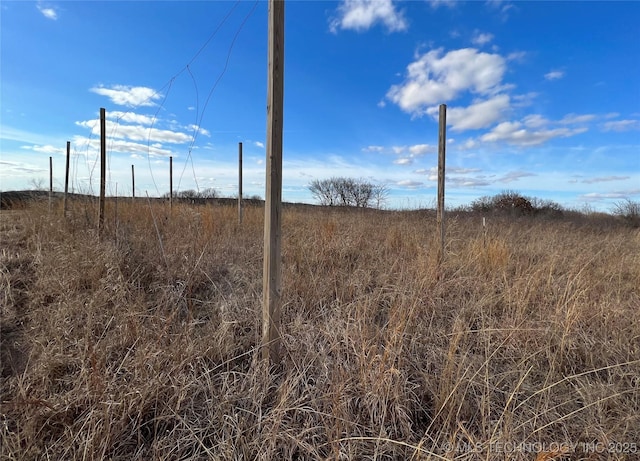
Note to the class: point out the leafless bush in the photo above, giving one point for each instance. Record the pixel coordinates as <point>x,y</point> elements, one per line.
<point>629,211</point>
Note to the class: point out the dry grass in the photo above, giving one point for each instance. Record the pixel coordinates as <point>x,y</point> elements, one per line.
<point>142,344</point>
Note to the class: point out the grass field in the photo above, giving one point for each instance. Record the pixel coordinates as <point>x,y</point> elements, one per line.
<point>524,344</point>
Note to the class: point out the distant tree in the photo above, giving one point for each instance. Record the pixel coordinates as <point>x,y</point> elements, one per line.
<point>38,184</point>
<point>323,191</point>
<point>344,192</point>
<point>188,194</point>
<point>209,192</point>
<point>482,204</point>
<point>380,195</point>
<point>546,207</point>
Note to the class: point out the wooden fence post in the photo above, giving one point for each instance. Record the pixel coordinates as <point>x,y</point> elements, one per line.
<point>133,185</point>
<point>271,278</point>
<point>442,140</point>
<point>115,212</point>
<point>171,183</point>
<point>50,182</point>
<point>103,168</point>
<point>239,183</point>
<point>66,180</point>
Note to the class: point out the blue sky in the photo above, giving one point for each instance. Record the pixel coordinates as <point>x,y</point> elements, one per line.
<point>543,97</point>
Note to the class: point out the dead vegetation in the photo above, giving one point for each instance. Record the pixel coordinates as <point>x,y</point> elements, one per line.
<point>141,345</point>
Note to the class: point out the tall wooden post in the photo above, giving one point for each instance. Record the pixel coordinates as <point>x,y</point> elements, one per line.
<point>50,181</point>
<point>272,276</point>
<point>66,180</point>
<point>115,212</point>
<point>133,185</point>
<point>103,168</point>
<point>442,140</point>
<point>171,183</point>
<point>239,183</point>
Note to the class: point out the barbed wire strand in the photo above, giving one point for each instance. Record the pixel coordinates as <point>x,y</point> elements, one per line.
<point>153,96</point>
<point>197,127</point>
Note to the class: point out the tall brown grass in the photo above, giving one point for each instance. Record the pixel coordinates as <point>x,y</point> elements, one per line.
<point>142,343</point>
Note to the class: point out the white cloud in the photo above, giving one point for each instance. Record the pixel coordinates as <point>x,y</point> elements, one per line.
<point>409,184</point>
<point>131,96</point>
<point>535,121</point>
<point>624,194</point>
<point>437,3</point>
<point>460,170</point>
<point>90,146</point>
<point>199,130</point>
<point>136,132</point>
<point>403,161</point>
<point>605,179</point>
<point>501,6</point>
<point>466,182</point>
<point>621,125</point>
<point>554,75</point>
<point>21,168</point>
<point>481,38</point>
<point>47,12</point>
<point>571,119</point>
<point>378,149</point>
<point>259,144</point>
<point>360,15</point>
<point>436,78</point>
<point>130,117</point>
<point>514,176</point>
<point>421,149</point>
<point>480,114</point>
<point>517,56</point>
<point>516,133</point>
<point>456,176</point>
<point>47,149</point>
<point>524,100</point>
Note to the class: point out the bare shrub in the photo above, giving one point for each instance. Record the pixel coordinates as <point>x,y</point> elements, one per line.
<point>629,211</point>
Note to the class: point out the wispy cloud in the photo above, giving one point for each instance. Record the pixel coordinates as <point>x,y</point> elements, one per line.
<point>481,38</point>
<point>20,168</point>
<point>436,3</point>
<point>501,6</point>
<point>621,125</point>
<point>457,177</point>
<point>259,144</point>
<point>554,75</point>
<point>130,117</point>
<point>360,15</point>
<point>623,194</point>
<point>517,133</point>
<point>46,149</point>
<point>514,176</point>
<point>47,11</point>
<point>377,149</point>
<point>90,147</point>
<point>571,119</point>
<point>409,184</point>
<point>605,179</point>
<point>130,96</point>
<point>136,132</point>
